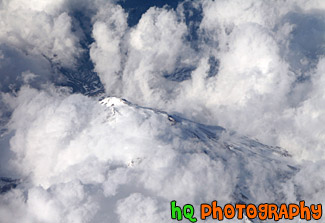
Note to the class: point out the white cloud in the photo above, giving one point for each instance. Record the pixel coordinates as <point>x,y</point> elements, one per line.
<point>140,208</point>
<point>77,158</point>
<point>80,161</point>
<point>34,31</point>
<point>258,78</point>
<point>108,30</point>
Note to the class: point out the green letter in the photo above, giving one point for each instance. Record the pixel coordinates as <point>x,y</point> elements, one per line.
<point>189,212</point>
<point>175,209</point>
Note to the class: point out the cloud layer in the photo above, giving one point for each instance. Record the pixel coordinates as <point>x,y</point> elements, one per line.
<point>254,67</point>
<point>84,161</point>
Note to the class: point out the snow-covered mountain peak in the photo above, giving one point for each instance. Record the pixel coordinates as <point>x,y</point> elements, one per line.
<point>113,101</point>
<point>242,159</point>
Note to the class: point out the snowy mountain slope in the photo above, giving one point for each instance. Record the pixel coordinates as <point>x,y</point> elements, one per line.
<point>248,157</point>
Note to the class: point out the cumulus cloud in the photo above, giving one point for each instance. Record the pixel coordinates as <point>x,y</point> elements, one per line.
<point>265,55</point>
<point>108,30</point>
<point>36,27</point>
<point>254,67</point>
<point>47,38</point>
<point>84,161</point>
